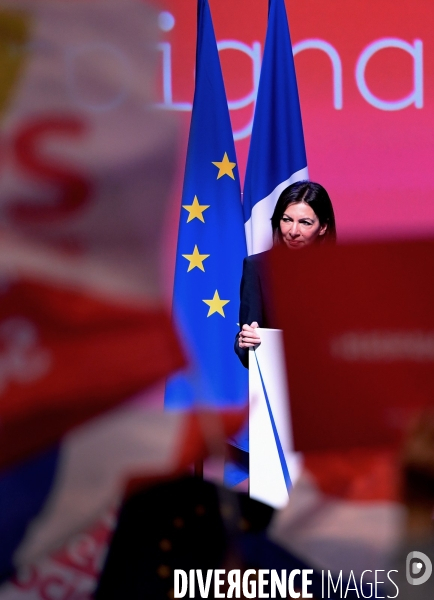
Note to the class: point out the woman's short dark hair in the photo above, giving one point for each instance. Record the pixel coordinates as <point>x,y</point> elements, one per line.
<point>316,197</point>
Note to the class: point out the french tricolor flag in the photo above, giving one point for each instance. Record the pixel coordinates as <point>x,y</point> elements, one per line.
<point>277,155</point>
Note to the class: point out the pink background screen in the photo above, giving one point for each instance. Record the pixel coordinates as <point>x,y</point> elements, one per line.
<point>366,82</point>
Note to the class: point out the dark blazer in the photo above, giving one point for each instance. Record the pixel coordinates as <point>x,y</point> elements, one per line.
<point>255,298</point>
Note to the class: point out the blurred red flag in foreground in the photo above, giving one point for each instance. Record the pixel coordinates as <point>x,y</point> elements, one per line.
<point>86,168</point>
<point>359,342</point>
<point>66,356</point>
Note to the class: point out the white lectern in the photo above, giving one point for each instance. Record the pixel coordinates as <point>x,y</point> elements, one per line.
<point>273,464</point>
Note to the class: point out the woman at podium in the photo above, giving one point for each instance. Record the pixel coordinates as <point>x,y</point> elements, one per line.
<point>303,216</point>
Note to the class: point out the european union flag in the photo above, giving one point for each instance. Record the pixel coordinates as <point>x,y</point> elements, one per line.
<point>211,244</point>
<point>277,155</point>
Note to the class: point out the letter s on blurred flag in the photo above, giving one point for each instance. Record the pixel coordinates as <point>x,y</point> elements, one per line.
<point>211,244</point>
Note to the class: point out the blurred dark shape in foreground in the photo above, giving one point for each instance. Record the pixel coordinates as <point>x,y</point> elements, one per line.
<point>375,512</point>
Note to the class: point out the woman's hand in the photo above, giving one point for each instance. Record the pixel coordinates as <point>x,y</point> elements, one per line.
<point>249,336</point>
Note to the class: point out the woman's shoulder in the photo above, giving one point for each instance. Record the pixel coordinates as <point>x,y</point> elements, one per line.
<point>255,265</point>
<point>257,259</point>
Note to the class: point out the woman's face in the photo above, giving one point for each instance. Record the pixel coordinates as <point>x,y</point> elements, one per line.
<point>300,226</point>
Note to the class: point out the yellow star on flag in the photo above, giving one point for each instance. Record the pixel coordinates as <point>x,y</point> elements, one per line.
<point>216,305</point>
<point>195,210</point>
<point>225,167</point>
<point>196,259</point>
